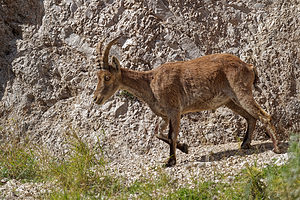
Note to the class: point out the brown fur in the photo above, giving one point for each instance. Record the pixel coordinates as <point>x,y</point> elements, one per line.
<point>176,88</point>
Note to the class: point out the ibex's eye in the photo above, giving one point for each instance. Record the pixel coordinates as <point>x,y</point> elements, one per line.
<point>106,78</point>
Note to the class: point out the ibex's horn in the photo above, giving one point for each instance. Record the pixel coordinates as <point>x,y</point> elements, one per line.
<point>99,47</point>
<point>106,51</point>
<point>99,52</point>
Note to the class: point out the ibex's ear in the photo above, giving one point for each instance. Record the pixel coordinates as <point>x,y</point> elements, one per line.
<point>115,63</point>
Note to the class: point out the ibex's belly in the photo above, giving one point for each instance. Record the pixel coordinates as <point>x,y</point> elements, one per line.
<point>202,103</point>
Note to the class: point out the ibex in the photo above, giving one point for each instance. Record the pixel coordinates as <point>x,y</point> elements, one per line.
<point>176,88</point>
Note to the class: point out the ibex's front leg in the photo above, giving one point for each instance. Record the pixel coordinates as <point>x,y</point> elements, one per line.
<point>160,127</point>
<point>172,136</point>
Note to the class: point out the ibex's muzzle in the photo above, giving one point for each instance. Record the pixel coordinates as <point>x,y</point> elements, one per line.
<point>98,100</point>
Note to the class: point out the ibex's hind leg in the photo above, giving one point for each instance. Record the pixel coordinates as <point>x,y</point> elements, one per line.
<point>266,119</point>
<point>251,122</point>
<point>247,101</point>
<point>160,128</point>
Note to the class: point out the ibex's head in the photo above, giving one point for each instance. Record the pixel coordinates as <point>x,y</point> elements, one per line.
<point>109,74</point>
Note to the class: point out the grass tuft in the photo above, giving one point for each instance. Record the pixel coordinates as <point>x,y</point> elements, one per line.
<point>17,159</point>
<point>255,188</point>
<point>284,181</point>
<point>82,174</point>
<point>18,163</point>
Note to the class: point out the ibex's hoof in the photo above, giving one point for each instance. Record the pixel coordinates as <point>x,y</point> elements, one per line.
<point>276,150</point>
<point>246,146</point>
<point>184,148</point>
<point>171,162</point>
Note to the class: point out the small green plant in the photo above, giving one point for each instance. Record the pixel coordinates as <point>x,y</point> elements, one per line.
<point>203,190</point>
<point>127,94</point>
<point>18,163</point>
<point>82,174</point>
<point>17,158</point>
<point>255,187</point>
<point>276,182</point>
<point>284,181</point>
<point>151,188</point>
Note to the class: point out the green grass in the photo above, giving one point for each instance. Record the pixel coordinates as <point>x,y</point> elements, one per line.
<point>82,174</point>
<point>284,181</point>
<point>18,163</point>
<point>202,190</point>
<point>17,159</point>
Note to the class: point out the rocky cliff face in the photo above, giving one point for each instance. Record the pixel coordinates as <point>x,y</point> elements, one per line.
<point>48,65</point>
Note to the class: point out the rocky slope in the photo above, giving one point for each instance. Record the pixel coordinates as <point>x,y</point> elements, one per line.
<point>48,66</point>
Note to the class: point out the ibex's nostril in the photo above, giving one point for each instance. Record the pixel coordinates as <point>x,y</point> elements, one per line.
<point>95,98</point>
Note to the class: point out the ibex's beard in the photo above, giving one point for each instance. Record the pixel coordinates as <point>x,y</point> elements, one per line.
<point>98,100</point>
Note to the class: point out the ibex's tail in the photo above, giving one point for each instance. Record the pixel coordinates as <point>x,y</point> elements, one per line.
<point>255,77</point>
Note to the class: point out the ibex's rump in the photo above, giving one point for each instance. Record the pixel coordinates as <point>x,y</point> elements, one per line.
<point>173,89</point>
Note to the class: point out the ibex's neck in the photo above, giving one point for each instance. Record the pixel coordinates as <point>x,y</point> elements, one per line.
<point>137,83</point>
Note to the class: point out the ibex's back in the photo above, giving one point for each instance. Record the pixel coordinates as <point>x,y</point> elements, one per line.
<point>173,89</point>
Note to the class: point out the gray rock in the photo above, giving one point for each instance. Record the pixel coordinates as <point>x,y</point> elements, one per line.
<point>121,109</point>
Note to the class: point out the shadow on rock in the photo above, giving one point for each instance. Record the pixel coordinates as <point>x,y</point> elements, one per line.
<point>255,149</point>
<point>14,14</point>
